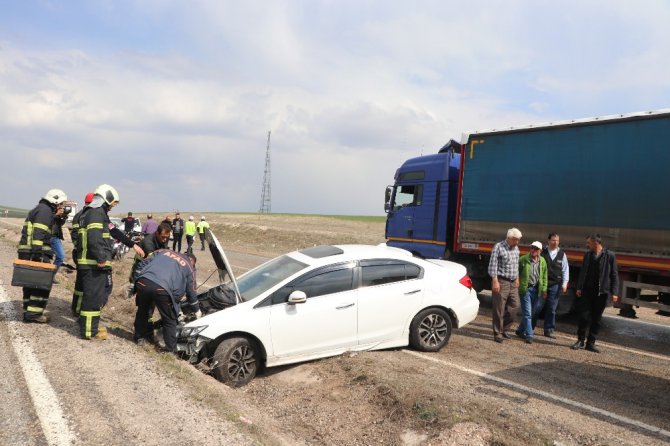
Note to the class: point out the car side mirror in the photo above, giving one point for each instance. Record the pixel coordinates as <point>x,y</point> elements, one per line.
<point>297,297</point>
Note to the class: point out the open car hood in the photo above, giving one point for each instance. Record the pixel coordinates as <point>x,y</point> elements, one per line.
<point>222,263</point>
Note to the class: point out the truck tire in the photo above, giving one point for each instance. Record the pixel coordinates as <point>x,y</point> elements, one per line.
<point>237,361</point>
<point>430,330</point>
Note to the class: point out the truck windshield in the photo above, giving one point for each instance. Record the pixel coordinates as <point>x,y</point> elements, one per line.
<point>269,274</point>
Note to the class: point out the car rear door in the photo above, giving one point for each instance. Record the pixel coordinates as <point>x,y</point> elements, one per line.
<point>325,322</point>
<point>390,293</point>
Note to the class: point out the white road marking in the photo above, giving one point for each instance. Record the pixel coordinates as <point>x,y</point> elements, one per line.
<point>54,423</point>
<point>635,321</point>
<point>600,344</point>
<point>543,394</point>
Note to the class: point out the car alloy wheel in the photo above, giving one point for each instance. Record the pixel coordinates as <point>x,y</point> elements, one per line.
<point>236,361</point>
<point>430,330</point>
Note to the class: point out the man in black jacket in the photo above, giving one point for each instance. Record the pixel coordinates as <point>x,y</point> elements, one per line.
<point>177,232</point>
<point>35,245</point>
<point>598,279</point>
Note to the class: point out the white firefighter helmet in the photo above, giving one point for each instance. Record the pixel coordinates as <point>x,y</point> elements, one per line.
<point>190,217</point>
<point>108,193</point>
<point>55,196</point>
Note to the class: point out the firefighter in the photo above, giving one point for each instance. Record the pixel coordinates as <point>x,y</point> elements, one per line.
<point>201,231</point>
<point>161,280</point>
<point>74,234</point>
<point>94,260</point>
<point>35,245</point>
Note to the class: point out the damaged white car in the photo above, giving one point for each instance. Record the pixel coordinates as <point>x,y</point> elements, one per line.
<point>324,301</point>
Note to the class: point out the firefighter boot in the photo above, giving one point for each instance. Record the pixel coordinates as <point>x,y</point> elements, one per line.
<point>101,335</point>
<point>41,319</point>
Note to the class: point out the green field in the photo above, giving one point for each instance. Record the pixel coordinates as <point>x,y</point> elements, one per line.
<point>12,212</point>
<point>364,218</point>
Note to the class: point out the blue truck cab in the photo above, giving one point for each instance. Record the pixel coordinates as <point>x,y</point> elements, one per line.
<point>422,205</point>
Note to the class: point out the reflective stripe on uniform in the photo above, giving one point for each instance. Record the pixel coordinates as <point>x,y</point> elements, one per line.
<point>41,226</point>
<point>89,315</point>
<point>31,309</point>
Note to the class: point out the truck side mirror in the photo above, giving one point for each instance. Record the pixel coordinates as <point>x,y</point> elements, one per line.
<point>387,198</point>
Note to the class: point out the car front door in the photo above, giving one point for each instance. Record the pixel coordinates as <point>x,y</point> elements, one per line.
<point>326,322</point>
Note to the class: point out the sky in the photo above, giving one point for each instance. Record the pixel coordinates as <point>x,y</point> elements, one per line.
<point>171,102</point>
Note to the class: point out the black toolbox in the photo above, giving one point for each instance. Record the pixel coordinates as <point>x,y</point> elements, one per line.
<point>29,274</point>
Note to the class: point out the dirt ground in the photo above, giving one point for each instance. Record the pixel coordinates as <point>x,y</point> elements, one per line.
<point>473,392</point>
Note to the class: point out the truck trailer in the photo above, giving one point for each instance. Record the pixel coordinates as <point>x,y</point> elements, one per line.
<point>605,175</point>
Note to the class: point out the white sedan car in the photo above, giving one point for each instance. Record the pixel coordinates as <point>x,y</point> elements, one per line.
<point>324,301</point>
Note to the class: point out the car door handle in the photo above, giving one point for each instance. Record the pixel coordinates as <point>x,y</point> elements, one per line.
<point>412,292</point>
<point>342,307</point>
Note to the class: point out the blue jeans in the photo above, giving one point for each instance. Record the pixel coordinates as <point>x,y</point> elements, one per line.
<point>59,251</point>
<point>551,304</point>
<point>528,302</point>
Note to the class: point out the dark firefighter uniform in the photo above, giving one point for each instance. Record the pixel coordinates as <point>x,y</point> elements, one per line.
<point>94,266</point>
<point>35,245</point>
<point>161,280</point>
<point>114,232</point>
<point>77,294</point>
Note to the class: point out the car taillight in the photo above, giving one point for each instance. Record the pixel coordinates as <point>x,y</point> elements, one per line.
<point>466,281</point>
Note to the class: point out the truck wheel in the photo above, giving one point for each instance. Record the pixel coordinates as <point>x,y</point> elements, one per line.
<point>430,330</point>
<point>236,361</point>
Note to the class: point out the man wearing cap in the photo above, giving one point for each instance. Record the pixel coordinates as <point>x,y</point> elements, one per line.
<point>532,282</point>
<point>504,272</point>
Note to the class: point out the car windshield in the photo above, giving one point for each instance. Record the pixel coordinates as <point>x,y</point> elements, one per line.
<point>256,281</point>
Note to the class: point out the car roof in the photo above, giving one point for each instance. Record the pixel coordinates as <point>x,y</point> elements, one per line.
<point>327,254</point>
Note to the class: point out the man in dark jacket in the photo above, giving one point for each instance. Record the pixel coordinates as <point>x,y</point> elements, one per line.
<point>177,232</point>
<point>161,280</point>
<point>149,244</point>
<point>598,279</point>
<point>94,260</point>
<point>128,223</point>
<point>35,245</point>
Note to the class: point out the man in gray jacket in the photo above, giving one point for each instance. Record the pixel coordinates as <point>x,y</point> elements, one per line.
<point>161,280</point>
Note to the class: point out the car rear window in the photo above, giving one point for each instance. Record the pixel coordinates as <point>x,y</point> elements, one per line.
<point>382,271</point>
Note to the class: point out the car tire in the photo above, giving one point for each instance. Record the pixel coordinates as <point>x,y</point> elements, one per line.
<point>236,360</point>
<point>430,330</point>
